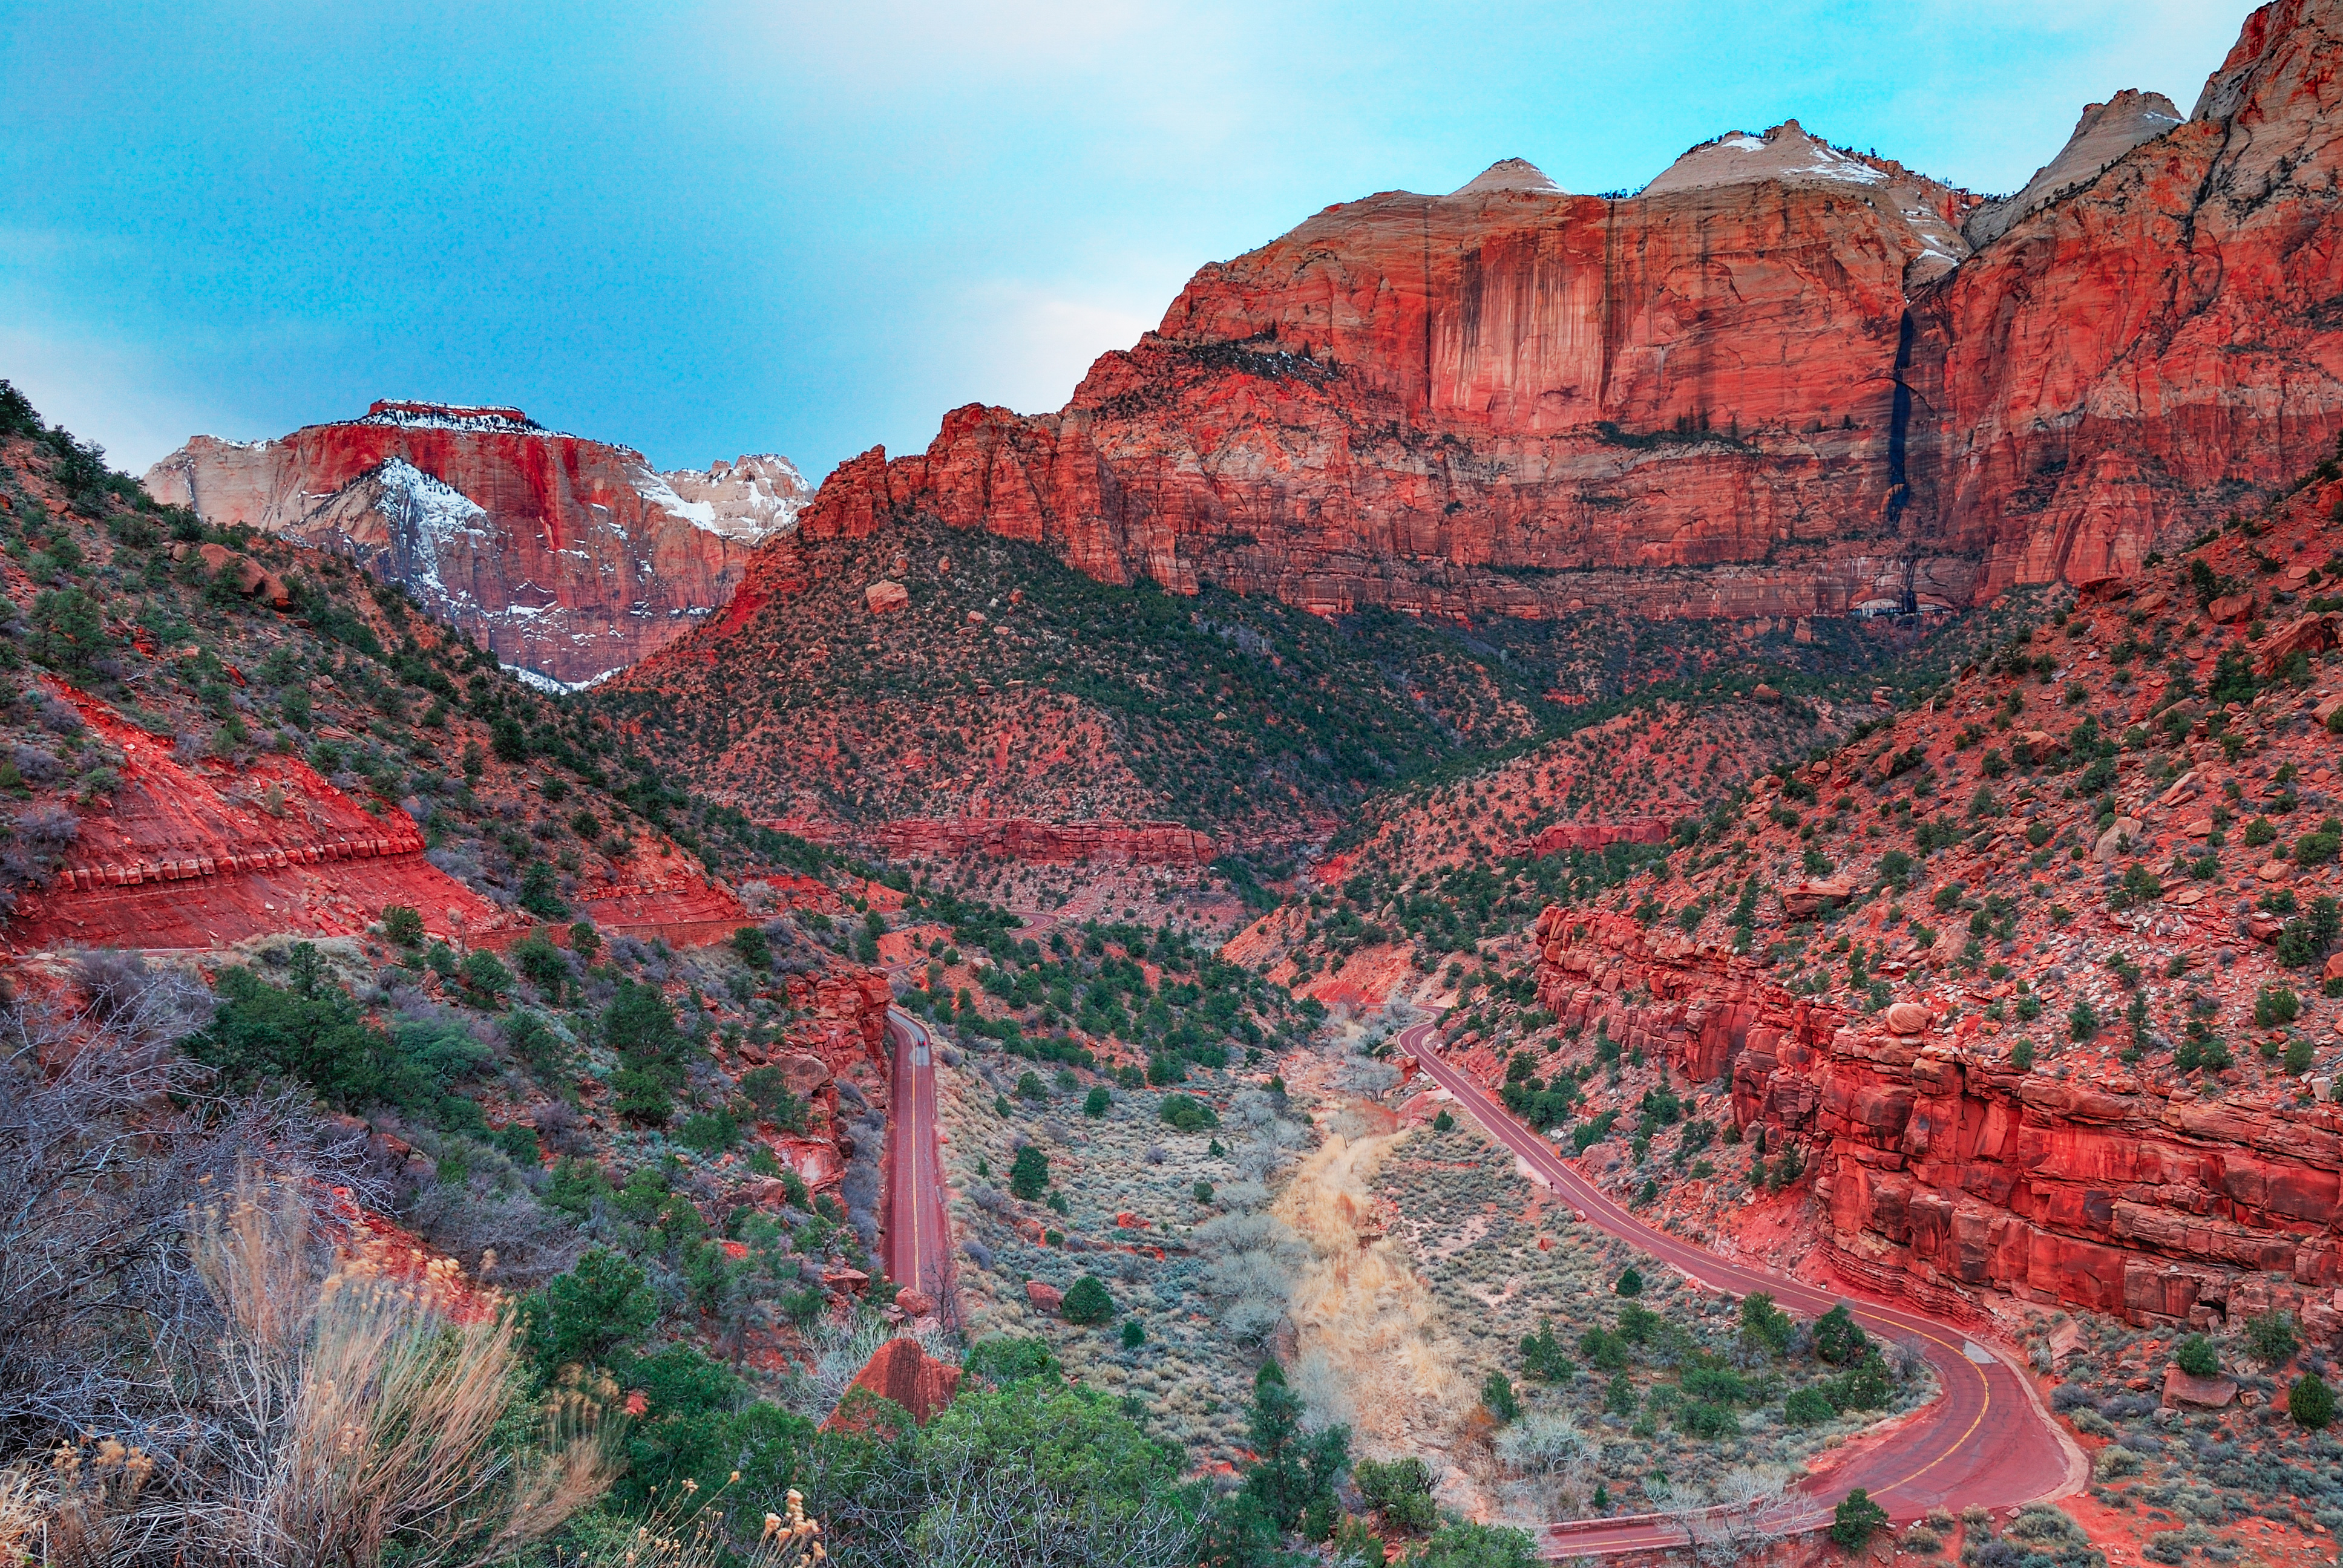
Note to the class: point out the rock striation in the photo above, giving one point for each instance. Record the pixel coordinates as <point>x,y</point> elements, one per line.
<point>1943,1170</point>
<point>570,558</point>
<point>1781,380</point>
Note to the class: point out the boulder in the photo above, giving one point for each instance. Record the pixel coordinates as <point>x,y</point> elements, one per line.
<point>1045,1298</point>
<point>2196,1393</point>
<point>1803,899</point>
<point>902,1372</point>
<point>1905,1018</point>
<point>915,1303</point>
<point>2229,608</point>
<point>884,598</point>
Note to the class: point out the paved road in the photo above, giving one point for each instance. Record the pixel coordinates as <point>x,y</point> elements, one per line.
<point>1987,1442</point>
<point>916,1244</point>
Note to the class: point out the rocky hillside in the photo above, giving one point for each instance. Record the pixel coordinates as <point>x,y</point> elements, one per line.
<point>570,558</point>
<point>1778,381</point>
<point>2036,976</point>
<point>919,692</point>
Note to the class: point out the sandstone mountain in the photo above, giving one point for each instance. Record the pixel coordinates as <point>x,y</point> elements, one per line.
<point>570,558</point>
<point>1777,381</point>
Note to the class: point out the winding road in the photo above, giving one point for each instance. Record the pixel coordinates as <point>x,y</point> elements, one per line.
<point>916,1244</point>
<point>1986,1442</point>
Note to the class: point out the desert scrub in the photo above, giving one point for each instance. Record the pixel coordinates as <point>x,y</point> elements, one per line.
<point>1613,1390</point>
<point>2206,1469</point>
<point>1204,1280</point>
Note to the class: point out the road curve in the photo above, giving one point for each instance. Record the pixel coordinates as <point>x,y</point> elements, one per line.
<point>1986,1442</point>
<point>916,1242</point>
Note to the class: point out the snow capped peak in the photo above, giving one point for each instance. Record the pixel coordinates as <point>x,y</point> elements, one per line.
<point>1786,154</point>
<point>1510,175</point>
<point>409,414</point>
<point>749,498</point>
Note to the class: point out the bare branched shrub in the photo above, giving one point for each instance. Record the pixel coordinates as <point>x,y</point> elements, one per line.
<point>107,1137</point>
<point>678,1535</point>
<point>153,1005</point>
<point>1255,1260</point>
<point>524,1242</point>
<point>1541,1442</point>
<point>980,1514</point>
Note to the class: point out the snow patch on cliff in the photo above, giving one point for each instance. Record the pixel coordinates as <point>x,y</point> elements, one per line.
<point>749,499</point>
<point>428,514</point>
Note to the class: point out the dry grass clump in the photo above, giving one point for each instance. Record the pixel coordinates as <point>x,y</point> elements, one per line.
<point>358,1408</point>
<point>1360,1306</point>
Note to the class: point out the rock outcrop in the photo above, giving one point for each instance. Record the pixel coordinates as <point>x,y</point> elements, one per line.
<point>570,558</point>
<point>1943,1170</point>
<point>1778,382</point>
<point>190,855</point>
<point>901,1372</point>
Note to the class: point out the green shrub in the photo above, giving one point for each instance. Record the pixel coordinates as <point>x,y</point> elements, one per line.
<point>1498,1397</point>
<point>1855,1519</point>
<point>1838,1339</point>
<point>1401,1491</point>
<point>1087,1303</point>
<point>485,976</point>
<point>1765,1324</point>
<point>1097,1102</point>
<point>2272,1337</point>
<point>403,925</point>
<point>601,1307</point>
<point>709,1132</point>
<point>1134,1333</point>
<point>1807,1407</point>
<point>1187,1113</point>
<point>1003,1360</point>
<point>1463,1545</point>
<point>767,1090</point>
<point>1629,1284</point>
<point>2310,1402</point>
<point>541,963</point>
<point>753,948</point>
<point>2197,1357</point>
<point>1029,1173</point>
<point>2275,1005</point>
<point>1699,1419</point>
<point>640,1028</point>
<point>541,891</point>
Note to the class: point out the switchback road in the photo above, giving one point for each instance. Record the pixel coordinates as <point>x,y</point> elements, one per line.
<point>1986,1442</point>
<point>917,1243</point>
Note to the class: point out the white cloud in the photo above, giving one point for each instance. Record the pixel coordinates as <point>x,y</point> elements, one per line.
<point>116,395</point>
<point>1027,345</point>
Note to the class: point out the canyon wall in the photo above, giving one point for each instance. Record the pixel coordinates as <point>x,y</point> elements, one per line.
<point>1778,381</point>
<point>570,558</point>
<point>1943,1171</point>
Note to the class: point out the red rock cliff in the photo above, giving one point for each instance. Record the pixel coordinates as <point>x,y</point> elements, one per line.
<point>1943,1171</point>
<point>570,558</point>
<point>1775,382</point>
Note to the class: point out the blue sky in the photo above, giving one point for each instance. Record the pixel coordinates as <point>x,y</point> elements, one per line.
<point>708,229</point>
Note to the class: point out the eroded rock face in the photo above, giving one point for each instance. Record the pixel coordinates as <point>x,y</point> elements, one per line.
<point>1778,382</point>
<point>1943,1170</point>
<point>902,1372</point>
<point>570,558</point>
